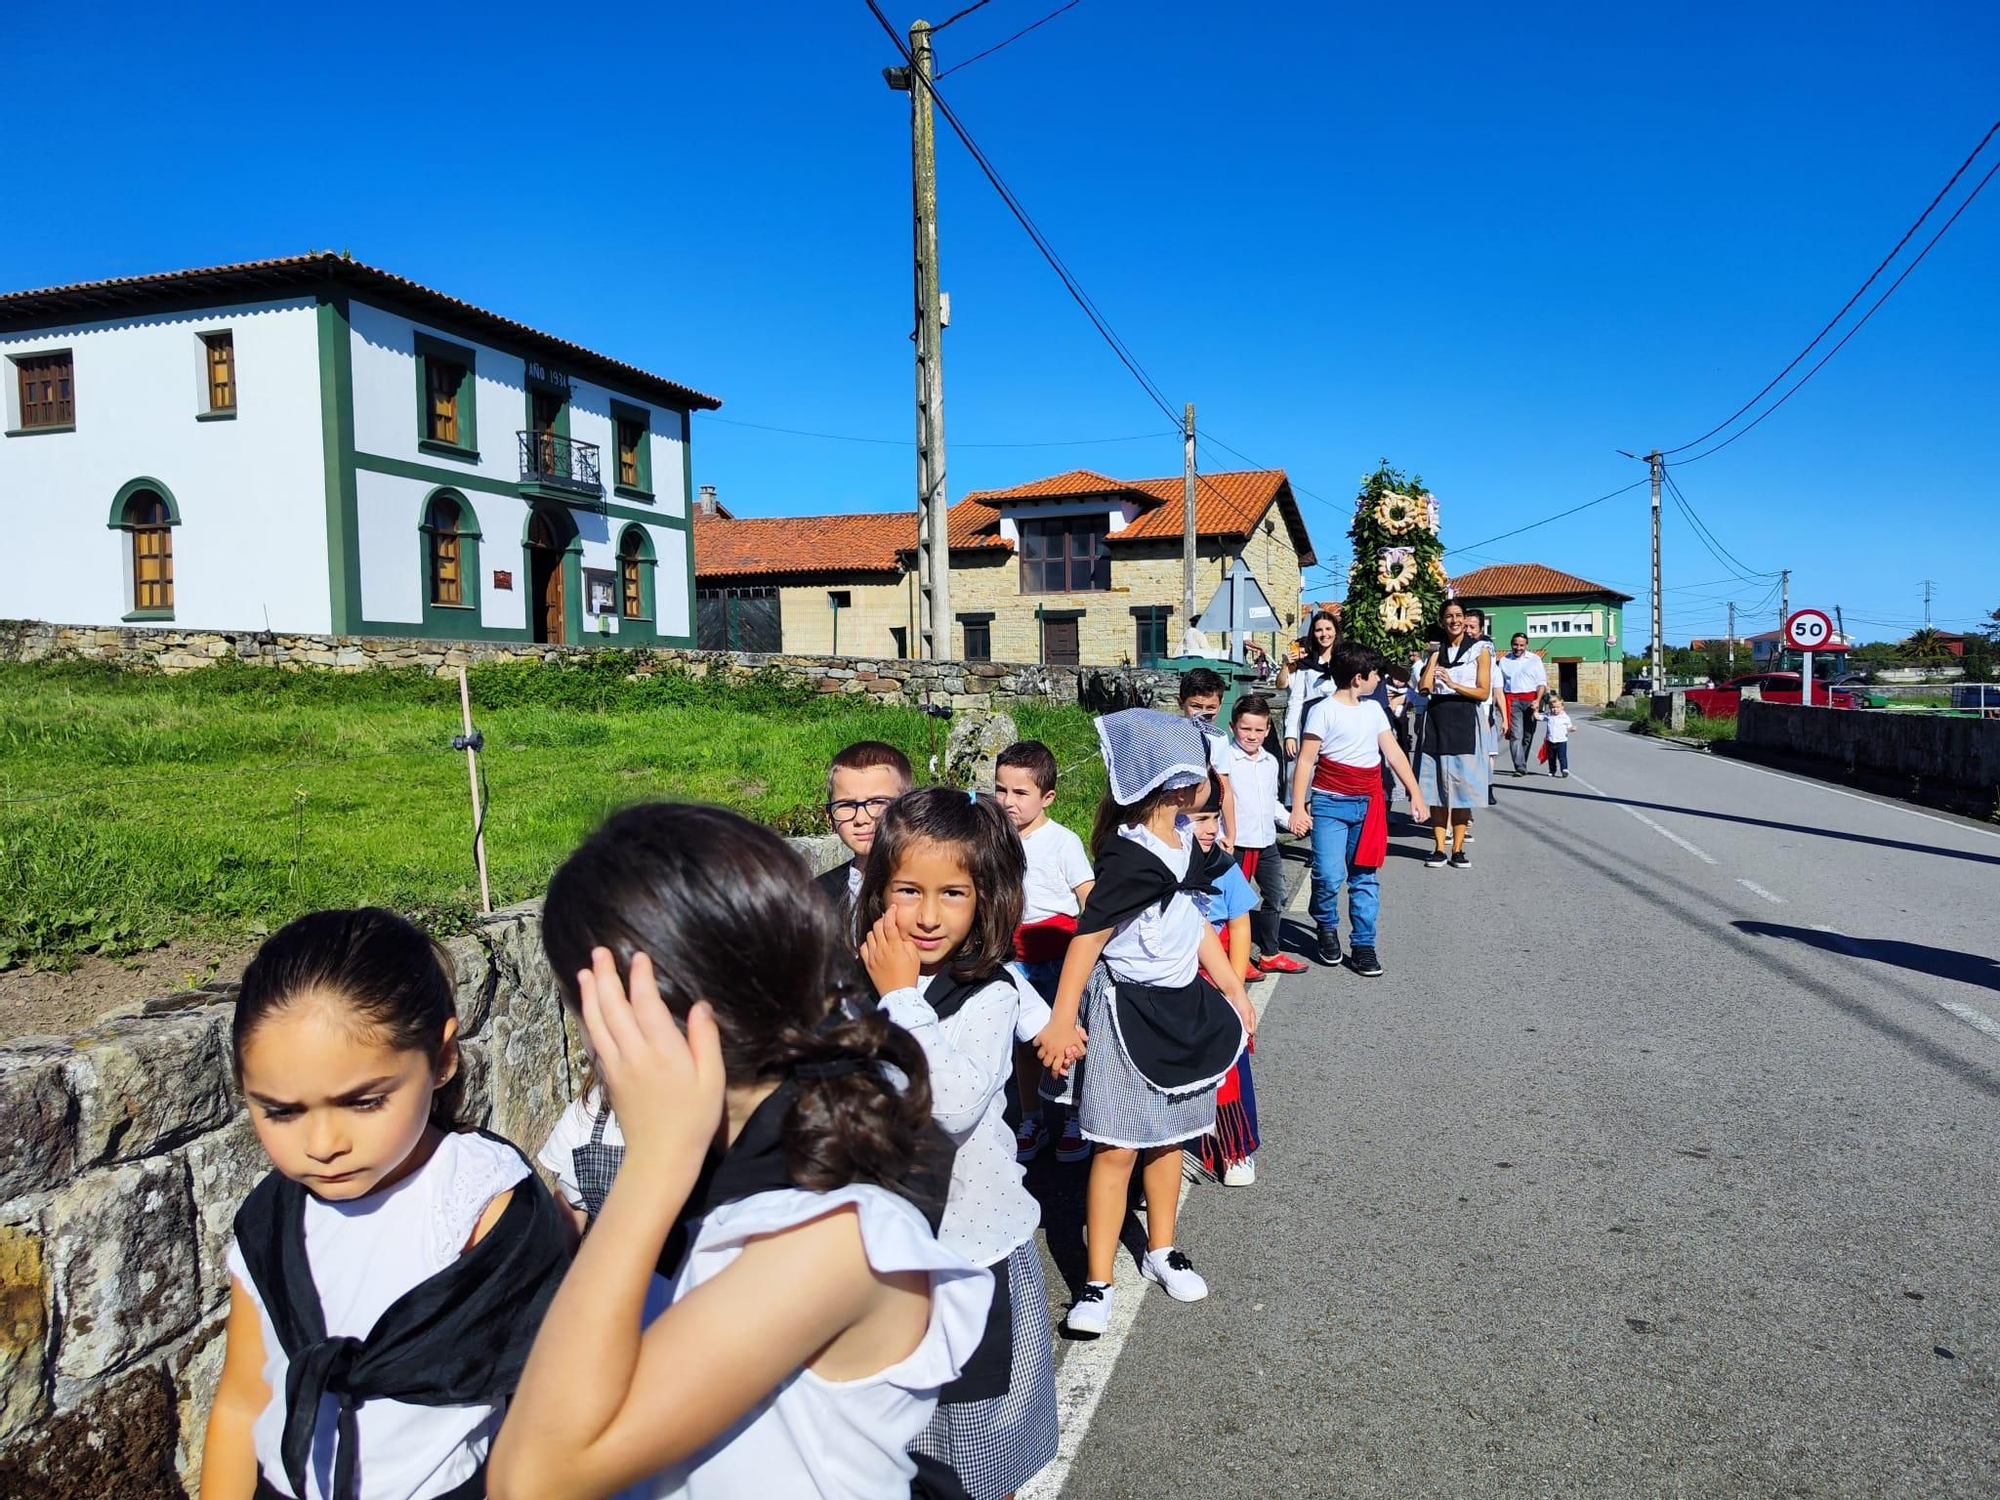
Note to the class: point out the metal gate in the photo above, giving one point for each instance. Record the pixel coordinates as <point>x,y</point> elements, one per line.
<point>743,619</point>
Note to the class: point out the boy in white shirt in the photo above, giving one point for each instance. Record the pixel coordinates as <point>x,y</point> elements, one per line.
<point>1059,878</point>
<point>1253,775</point>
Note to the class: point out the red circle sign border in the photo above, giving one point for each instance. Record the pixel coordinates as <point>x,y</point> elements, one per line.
<point>1796,615</point>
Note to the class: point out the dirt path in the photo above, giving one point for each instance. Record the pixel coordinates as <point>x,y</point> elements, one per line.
<point>46,1003</point>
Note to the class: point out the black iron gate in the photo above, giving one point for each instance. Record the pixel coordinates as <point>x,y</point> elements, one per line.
<point>743,619</point>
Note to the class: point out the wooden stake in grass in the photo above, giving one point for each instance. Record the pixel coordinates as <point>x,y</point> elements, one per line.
<point>471,741</point>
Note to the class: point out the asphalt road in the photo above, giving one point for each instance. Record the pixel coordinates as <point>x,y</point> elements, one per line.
<point>1656,1165</point>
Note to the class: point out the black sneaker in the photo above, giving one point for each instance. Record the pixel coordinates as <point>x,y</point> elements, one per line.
<point>1438,860</point>
<point>1329,946</point>
<point>1363,962</point>
<point>1461,861</point>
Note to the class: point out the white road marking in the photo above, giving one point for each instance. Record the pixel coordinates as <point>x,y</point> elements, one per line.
<point>1666,833</point>
<point>1822,927</point>
<point>1086,1369</point>
<point>1757,890</point>
<point>1973,1018</point>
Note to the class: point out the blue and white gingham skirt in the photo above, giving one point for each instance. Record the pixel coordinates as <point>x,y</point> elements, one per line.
<point>999,1444</point>
<point>1116,1105</point>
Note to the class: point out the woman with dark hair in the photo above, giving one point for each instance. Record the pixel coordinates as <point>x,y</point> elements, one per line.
<point>1459,679</point>
<point>1308,671</point>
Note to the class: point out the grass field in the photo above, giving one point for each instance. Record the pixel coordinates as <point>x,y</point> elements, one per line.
<point>135,810</point>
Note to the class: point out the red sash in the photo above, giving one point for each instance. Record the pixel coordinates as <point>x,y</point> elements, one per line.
<point>1044,942</point>
<point>1521,698</point>
<point>1360,781</point>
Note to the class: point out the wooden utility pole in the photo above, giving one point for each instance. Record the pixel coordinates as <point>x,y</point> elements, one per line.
<point>1657,660</point>
<point>934,619</point>
<point>1187,524</point>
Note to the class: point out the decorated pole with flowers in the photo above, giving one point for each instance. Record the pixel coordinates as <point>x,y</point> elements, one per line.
<point>1397,586</point>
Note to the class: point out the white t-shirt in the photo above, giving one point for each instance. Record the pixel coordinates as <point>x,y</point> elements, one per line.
<point>1057,865</point>
<point>1161,947</point>
<point>1522,674</point>
<point>364,1255</point>
<point>836,1439</point>
<point>971,1055</point>
<point>1348,734</point>
<point>1254,780</point>
<point>1308,685</point>
<point>572,1129</point>
<point>1558,726</point>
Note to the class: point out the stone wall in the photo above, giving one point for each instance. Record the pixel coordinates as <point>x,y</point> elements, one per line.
<point>888,680</point>
<point>124,1155</point>
<point>1934,758</point>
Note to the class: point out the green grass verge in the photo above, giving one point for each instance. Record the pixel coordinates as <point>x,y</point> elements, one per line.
<point>136,809</point>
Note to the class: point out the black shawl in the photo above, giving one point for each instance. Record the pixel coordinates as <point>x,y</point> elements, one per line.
<point>1130,877</point>
<point>1451,720</point>
<point>459,1338</point>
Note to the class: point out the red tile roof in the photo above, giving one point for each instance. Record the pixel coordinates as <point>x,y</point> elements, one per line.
<point>292,274</point>
<point>1527,581</point>
<point>801,545</point>
<point>1227,505</point>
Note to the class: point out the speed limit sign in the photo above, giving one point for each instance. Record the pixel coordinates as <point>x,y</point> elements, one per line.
<point>1808,630</point>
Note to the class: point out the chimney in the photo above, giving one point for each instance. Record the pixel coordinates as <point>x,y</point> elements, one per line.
<point>705,506</point>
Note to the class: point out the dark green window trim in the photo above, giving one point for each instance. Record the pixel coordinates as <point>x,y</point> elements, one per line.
<point>132,487</point>
<point>136,615</point>
<point>436,614</point>
<point>403,468</point>
<point>467,446</point>
<point>623,412</point>
<point>40,431</point>
<point>637,629</point>
<point>226,414</point>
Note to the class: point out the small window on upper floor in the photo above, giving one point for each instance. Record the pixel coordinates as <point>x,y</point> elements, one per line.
<point>47,390</point>
<point>221,355</point>
<point>630,431</point>
<point>442,379</point>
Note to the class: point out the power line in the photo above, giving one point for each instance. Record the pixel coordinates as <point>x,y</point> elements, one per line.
<point>1073,4</point>
<point>1846,306</point>
<point>1022,217</point>
<point>1859,325</point>
<point>1713,543</point>
<point>1559,515</point>
<point>841,437</point>
<point>960,16</point>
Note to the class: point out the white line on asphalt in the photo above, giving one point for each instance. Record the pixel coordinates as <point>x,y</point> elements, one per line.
<point>1666,833</point>
<point>1822,927</point>
<point>1086,1369</point>
<point>1973,1018</point>
<point>1757,890</point>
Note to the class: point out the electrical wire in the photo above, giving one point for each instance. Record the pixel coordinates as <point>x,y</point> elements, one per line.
<point>959,16</point>
<point>1846,306</point>
<point>1559,515</point>
<point>1859,325</point>
<point>1712,543</point>
<point>1073,4</point>
<point>841,437</point>
<point>1027,223</point>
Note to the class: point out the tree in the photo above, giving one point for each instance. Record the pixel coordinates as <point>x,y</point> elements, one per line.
<point>1397,586</point>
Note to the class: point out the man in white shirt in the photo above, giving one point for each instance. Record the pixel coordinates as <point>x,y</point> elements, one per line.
<point>1523,679</point>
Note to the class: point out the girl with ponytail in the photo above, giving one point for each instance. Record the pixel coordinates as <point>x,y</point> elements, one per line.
<point>780,1168</point>
<point>939,903</point>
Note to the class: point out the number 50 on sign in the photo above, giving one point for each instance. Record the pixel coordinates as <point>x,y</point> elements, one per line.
<point>1808,630</point>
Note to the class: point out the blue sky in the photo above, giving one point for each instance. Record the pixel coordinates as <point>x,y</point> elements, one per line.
<point>1491,245</point>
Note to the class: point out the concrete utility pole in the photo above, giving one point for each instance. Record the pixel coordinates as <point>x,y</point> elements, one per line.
<point>933,537</point>
<point>1730,670</point>
<point>1784,604</point>
<point>1187,522</point>
<point>1657,660</point>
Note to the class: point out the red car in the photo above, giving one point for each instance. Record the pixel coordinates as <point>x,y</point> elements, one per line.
<point>1776,687</point>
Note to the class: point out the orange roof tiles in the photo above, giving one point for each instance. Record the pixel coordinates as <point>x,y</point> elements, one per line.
<point>749,545</point>
<point>1230,504</point>
<point>1526,581</point>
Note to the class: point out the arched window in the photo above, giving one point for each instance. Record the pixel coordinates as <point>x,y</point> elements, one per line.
<point>633,555</point>
<point>447,569</point>
<point>151,525</point>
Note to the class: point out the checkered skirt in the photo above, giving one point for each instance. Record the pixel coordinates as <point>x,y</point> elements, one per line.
<point>999,1444</point>
<point>1116,1105</point>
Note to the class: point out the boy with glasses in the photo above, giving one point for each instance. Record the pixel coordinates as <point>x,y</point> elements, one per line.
<point>861,782</point>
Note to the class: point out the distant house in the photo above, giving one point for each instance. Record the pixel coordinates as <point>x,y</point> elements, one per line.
<point>1076,569</point>
<point>1573,623</point>
<point>315,445</point>
<point>1767,648</point>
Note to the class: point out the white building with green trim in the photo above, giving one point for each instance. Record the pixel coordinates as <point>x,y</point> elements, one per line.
<point>313,445</point>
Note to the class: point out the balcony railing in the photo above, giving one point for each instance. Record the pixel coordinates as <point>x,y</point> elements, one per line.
<point>551,459</point>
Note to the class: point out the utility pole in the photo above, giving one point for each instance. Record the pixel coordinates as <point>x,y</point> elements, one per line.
<point>1784,604</point>
<point>1657,660</point>
<point>1187,522</point>
<point>933,537</point>
<point>1930,587</point>
<point>1730,670</point>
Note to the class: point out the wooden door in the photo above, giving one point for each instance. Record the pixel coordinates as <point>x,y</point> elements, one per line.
<point>546,614</point>
<point>1059,643</point>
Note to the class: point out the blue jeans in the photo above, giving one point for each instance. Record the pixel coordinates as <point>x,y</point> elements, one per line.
<point>1336,833</point>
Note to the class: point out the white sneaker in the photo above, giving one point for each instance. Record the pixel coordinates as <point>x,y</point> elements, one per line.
<point>1090,1314</point>
<point>1174,1271</point>
<point>1240,1173</point>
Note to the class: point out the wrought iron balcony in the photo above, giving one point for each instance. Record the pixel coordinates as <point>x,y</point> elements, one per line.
<point>549,458</point>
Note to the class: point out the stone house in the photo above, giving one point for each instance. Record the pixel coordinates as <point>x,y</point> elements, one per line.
<point>309,444</point>
<point>1075,569</point>
<point>1573,623</point>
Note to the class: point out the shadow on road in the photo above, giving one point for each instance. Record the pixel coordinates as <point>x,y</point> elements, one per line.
<point>1921,958</point>
<point>1806,828</point>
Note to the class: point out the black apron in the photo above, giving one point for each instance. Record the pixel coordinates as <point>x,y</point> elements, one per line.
<point>1451,720</point>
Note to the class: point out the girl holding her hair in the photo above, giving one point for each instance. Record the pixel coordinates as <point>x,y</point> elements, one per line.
<point>1458,677</point>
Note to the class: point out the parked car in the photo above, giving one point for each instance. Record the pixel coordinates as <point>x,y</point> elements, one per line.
<point>1856,685</point>
<point>1775,687</point>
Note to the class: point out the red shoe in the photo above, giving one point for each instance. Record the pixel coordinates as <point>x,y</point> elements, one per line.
<point>1281,963</point>
<point>1255,975</point>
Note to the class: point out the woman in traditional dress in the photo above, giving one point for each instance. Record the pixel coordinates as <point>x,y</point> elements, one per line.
<point>1307,671</point>
<point>1459,679</point>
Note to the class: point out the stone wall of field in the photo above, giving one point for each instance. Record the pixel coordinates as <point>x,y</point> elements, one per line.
<point>124,1155</point>
<point>1941,759</point>
<point>955,685</point>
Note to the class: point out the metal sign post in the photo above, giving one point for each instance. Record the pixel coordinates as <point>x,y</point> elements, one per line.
<point>1807,631</point>
<point>1239,606</point>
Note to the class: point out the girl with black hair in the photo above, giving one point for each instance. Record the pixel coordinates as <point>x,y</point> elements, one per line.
<point>939,902</point>
<point>781,1168</point>
<point>387,1277</point>
<point>1308,671</point>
